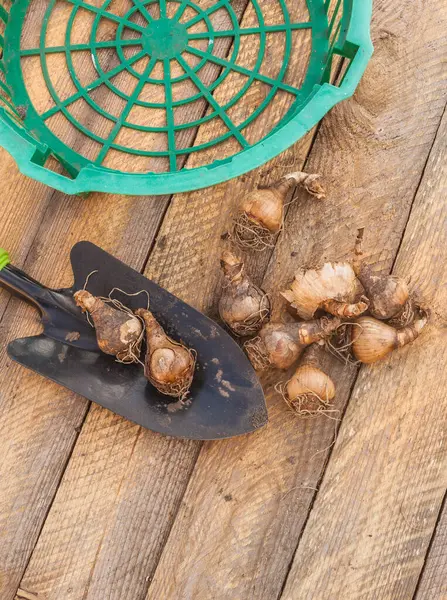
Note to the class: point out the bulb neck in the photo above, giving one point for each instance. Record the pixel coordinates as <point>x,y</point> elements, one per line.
<point>411,332</point>
<point>233,270</point>
<point>284,185</point>
<point>155,334</point>
<point>149,320</point>
<point>309,332</point>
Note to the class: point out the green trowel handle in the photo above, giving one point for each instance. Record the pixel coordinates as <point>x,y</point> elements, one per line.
<point>21,284</point>
<point>4,258</point>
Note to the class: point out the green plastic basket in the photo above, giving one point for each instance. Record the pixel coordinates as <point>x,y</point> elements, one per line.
<point>165,96</point>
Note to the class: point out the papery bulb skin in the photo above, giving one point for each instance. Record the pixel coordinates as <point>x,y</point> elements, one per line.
<point>310,390</point>
<point>265,208</point>
<point>388,295</point>
<point>261,212</point>
<point>333,288</point>
<point>310,380</point>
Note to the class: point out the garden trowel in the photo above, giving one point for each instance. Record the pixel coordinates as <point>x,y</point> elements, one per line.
<point>226,398</point>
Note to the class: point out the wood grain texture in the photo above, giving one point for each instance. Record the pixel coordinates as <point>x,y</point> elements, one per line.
<point>237,530</point>
<point>101,522</point>
<point>127,534</point>
<point>189,243</point>
<point>373,519</point>
<point>181,268</point>
<point>39,420</point>
<point>433,583</point>
<point>23,206</point>
<point>126,227</point>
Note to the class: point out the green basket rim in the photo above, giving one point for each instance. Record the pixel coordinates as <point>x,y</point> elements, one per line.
<point>94,179</point>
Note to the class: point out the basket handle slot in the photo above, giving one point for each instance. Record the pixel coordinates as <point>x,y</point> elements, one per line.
<point>51,162</point>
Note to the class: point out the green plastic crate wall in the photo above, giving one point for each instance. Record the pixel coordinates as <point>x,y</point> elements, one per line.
<point>163,96</point>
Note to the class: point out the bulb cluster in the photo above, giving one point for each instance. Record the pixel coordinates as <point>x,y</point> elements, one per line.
<point>344,306</point>
<point>168,365</point>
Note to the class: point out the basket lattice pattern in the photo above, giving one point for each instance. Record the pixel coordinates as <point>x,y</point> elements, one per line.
<point>157,89</point>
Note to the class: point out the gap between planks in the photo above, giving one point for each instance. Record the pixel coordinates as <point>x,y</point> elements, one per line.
<point>423,591</point>
<point>404,193</point>
<point>45,212</point>
<point>24,595</point>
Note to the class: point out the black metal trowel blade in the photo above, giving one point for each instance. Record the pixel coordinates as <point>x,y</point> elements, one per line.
<point>226,397</point>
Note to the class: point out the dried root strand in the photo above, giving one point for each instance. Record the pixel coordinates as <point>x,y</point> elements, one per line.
<point>257,353</point>
<point>251,234</point>
<point>134,352</point>
<point>340,343</point>
<point>406,316</point>
<point>309,405</point>
<point>252,323</point>
<point>243,306</point>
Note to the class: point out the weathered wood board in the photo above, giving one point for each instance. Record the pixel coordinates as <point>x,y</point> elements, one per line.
<point>248,500</point>
<point>116,224</point>
<point>433,582</point>
<point>370,527</point>
<point>243,548</point>
<point>23,207</point>
<point>77,560</point>
<point>39,421</point>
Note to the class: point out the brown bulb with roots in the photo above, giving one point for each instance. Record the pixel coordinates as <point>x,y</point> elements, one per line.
<point>169,366</point>
<point>310,390</point>
<point>389,295</point>
<point>242,306</point>
<point>261,212</point>
<point>280,345</point>
<point>118,332</point>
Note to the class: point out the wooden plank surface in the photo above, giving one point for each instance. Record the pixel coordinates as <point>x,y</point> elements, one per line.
<point>433,582</point>
<point>23,206</point>
<point>112,550</point>
<point>108,492</point>
<point>237,530</point>
<point>40,422</point>
<point>374,516</point>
